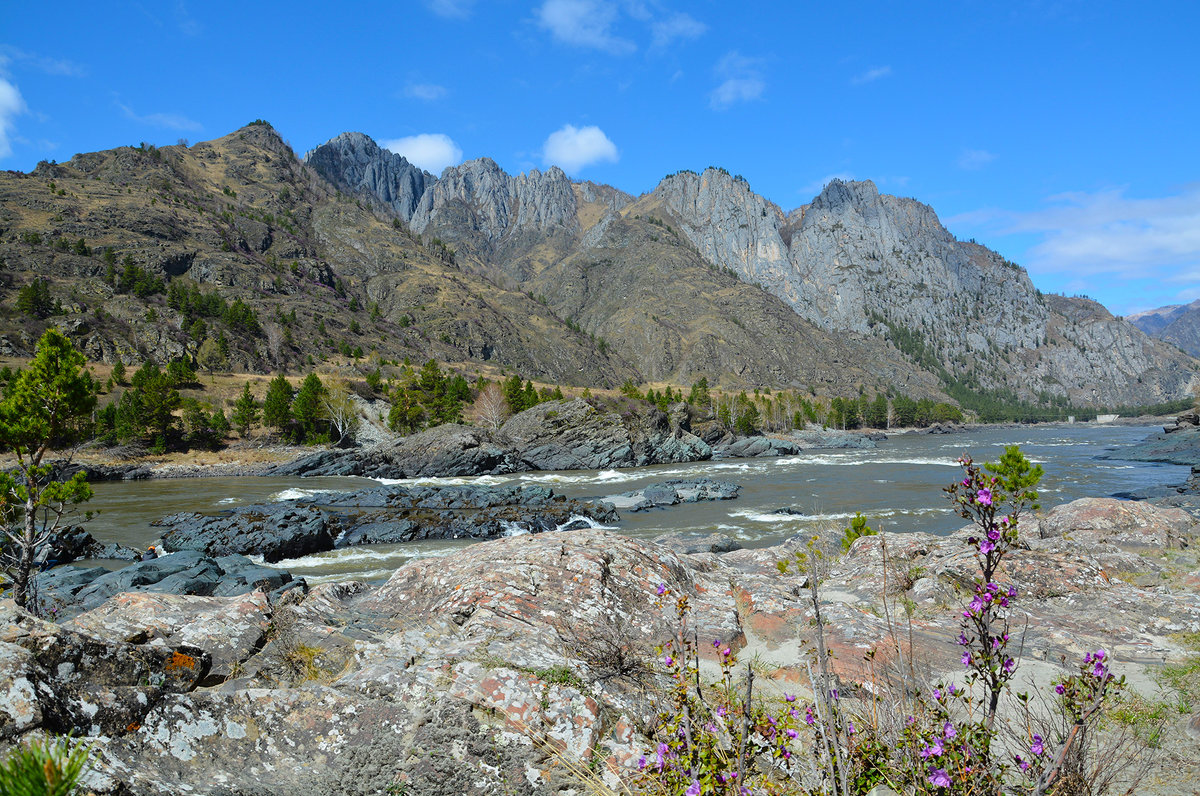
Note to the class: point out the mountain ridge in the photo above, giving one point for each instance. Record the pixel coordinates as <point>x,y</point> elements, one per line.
<point>852,261</point>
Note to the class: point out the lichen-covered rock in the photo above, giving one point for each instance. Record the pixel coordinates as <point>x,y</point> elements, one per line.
<point>63,681</point>
<point>229,629</point>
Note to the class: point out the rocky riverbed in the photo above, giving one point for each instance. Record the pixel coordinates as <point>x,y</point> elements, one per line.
<point>486,671</point>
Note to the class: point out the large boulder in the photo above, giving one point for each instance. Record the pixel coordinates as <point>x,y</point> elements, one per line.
<point>1121,522</point>
<point>274,531</point>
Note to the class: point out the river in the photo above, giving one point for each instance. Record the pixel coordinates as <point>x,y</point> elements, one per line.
<point>897,486</point>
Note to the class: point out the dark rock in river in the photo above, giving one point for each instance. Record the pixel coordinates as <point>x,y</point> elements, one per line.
<point>752,447</point>
<point>74,542</point>
<point>832,438</point>
<point>380,515</point>
<point>673,492</point>
<point>274,531</point>
<point>1179,447</point>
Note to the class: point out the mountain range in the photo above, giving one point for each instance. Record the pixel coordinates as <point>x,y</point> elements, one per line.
<point>1178,324</point>
<point>352,249</point>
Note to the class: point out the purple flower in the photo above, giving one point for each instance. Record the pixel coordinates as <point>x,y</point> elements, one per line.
<point>668,660</point>
<point>987,546</point>
<point>790,697</point>
<point>1060,689</point>
<point>792,733</point>
<point>938,778</point>
<point>693,789</point>
<point>716,643</point>
<point>661,755</point>
<point>833,694</point>
<point>937,694</point>
<point>850,727</point>
<point>662,589</point>
<point>1100,670</point>
<point>949,730</point>
<point>1037,747</point>
<point>966,659</point>
<point>984,497</point>
<point>809,718</point>
<point>1009,666</point>
<point>1100,654</point>
<point>641,763</point>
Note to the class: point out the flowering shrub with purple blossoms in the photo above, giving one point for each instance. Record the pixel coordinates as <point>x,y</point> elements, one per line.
<point>939,741</point>
<point>715,739</point>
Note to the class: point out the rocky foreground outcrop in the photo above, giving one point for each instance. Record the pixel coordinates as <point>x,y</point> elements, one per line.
<point>487,671</point>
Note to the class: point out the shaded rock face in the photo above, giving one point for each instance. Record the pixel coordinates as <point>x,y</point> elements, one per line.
<point>354,162</point>
<point>854,257</point>
<point>447,679</point>
<point>383,515</point>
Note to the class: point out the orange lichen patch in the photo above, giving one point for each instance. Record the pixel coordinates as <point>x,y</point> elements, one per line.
<point>179,662</point>
<point>133,726</point>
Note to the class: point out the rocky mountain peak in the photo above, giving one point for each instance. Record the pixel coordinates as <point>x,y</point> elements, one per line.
<point>837,193</point>
<point>354,162</point>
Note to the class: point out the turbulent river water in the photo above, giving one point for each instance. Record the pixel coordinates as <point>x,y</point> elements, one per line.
<point>897,486</point>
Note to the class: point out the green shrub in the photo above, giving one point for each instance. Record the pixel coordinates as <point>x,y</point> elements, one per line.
<point>52,767</point>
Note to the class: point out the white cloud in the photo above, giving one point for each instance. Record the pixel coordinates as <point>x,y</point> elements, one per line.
<point>975,159</point>
<point>572,148</point>
<point>11,106</point>
<point>424,91</point>
<point>451,9</point>
<point>1106,234</point>
<point>741,80</point>
<point>584,23</point>
<point>676,26</point>
<point>172,121</point>
<point>59,67</point>
<point>871,75</point>
<point>430,151</point>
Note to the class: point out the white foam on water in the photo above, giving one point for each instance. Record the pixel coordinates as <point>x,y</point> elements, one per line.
<point>341,577</point>
<point>513,528</point>
<point>472,480</point>
<point>295,493</point>
<point>591,523</point>
<point>228,500</point>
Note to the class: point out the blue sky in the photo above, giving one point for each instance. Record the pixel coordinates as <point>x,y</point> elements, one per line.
<point>1063,134</point>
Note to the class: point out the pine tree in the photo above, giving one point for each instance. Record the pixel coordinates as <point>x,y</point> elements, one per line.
<point>307,408</point>
<point>277,406</point>
<point>47,403</point>
<point>245,411</point>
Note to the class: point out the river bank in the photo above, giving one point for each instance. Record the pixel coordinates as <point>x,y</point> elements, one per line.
<point>554,436</point>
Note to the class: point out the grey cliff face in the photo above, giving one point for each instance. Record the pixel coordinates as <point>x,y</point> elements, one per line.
<point>857,260</point>
<point>353,162</point>
<point>498,204</point>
